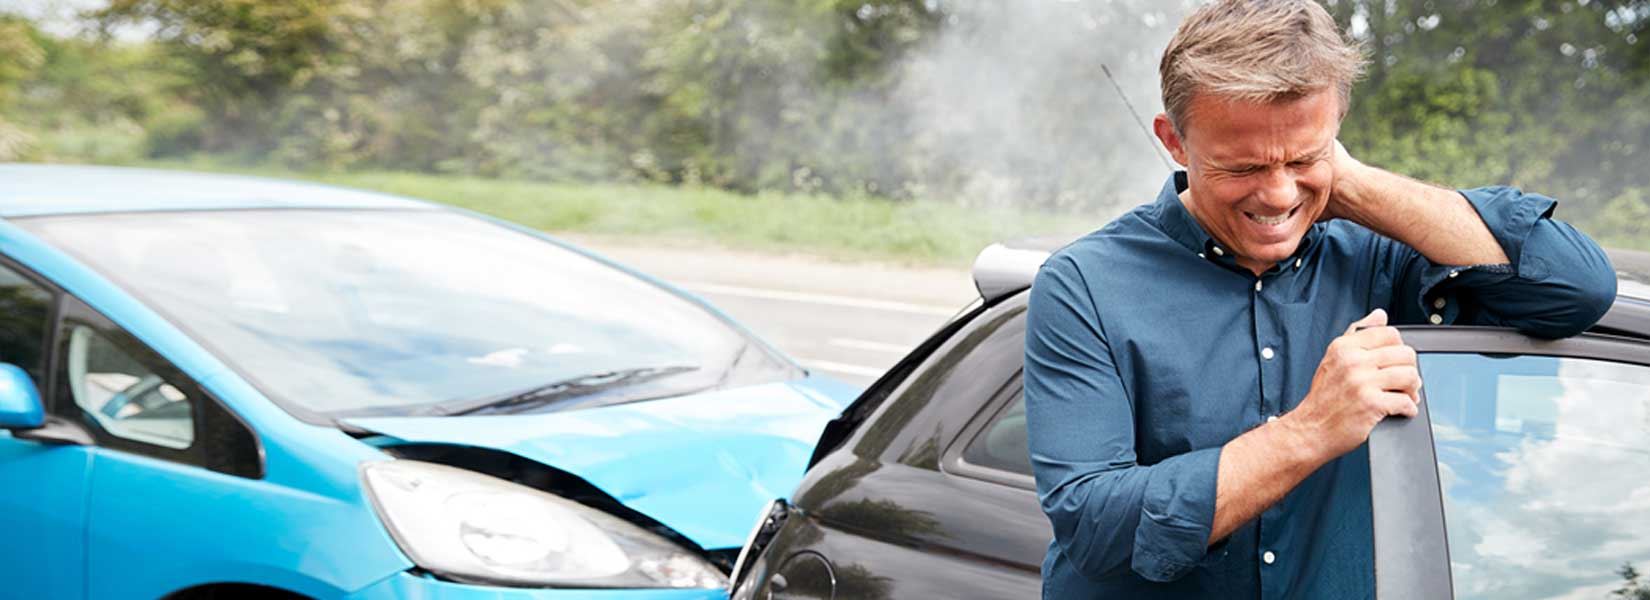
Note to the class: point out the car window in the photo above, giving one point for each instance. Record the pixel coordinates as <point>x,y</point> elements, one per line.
<point>353,312</point>
<point>25,311</point>
<point>127,399</point>
<point>1542,462</point>
<point>1001,444</point>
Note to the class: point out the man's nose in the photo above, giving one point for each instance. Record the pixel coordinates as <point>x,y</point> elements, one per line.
<point>1277,190</point>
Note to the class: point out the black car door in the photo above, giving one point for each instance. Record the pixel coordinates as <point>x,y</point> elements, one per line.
<point>1526,474</point>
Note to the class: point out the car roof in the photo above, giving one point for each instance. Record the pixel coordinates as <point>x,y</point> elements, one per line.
<point>33,190</point>
<point>1008,267</point>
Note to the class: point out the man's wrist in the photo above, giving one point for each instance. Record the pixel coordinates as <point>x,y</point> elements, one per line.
<point>1298,442</point>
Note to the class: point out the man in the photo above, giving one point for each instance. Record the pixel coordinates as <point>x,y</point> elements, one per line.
<point>1201,374</point>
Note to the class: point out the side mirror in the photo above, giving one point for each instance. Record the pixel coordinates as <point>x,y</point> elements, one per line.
<point>19,400</point>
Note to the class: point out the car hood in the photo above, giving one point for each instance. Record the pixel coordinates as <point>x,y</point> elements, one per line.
<point>702,464</point>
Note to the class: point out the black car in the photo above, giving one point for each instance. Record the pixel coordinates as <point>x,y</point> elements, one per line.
<point>1526,474</point>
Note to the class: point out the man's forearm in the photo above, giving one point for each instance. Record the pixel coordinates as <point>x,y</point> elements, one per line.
<point>1256,470</point>
<point>1439,223</point>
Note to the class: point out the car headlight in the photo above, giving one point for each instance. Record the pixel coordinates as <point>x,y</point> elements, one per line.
<point>473,527</point>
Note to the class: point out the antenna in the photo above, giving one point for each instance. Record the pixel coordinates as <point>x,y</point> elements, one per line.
<point>1150,139</point>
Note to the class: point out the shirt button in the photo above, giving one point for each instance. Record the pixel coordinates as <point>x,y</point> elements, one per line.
<point>1452,274</point>
<point>1257,286</point>
<point>1200,255</point>
<point>1297,263</point>
<point>1267,353</point>
<point>1268,557</point>
<point>1271,418</point>
<point>1436,319</point>
<point>1218,251</point>
<point>1439,303</point>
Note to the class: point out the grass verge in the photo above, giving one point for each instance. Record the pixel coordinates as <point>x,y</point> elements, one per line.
<point>919,232</point>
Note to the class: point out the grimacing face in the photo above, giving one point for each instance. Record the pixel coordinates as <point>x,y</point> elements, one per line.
<point>1259,173</point>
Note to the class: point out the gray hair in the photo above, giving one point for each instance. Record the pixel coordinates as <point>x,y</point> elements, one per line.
<point>1257,51</point>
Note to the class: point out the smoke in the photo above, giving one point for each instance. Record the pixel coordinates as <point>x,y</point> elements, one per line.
<point>1013,108</point>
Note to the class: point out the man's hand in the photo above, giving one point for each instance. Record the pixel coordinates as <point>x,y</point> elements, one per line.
<point>1438,223</point>
<point>1366,375</point>
<point>1347,170</point>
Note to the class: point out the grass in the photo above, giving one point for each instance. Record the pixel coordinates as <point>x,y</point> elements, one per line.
<point>919,232</point>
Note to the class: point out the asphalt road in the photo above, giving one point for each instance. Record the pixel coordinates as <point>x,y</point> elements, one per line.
<point>849,321</point>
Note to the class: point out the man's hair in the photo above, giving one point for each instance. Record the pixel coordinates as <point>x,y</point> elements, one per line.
<point>1257,51</point>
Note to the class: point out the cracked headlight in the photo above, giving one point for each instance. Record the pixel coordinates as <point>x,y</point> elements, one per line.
<point>473,527</point>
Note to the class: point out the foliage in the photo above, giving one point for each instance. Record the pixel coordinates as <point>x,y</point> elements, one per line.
<point>983,104</point>
<point>1541,94</point>
<point>1632,588</point>
<point>856,227</point>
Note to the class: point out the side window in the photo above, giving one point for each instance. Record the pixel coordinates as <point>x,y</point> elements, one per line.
<point>25,312</point>
<point>134,400</point>
<point>126,398</point>
<point>1542,462</point>
<point>1001,444</point>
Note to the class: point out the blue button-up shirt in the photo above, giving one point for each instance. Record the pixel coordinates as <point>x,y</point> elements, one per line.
<point>1148,348</point>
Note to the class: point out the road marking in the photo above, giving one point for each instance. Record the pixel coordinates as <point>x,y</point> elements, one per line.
<point>869,345</point>
<point>843,368</point>
<point>825,299</point>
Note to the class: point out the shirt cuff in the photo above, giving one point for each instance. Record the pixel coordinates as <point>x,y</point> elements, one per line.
<point>1176,515</point>
<point>1511,215</point>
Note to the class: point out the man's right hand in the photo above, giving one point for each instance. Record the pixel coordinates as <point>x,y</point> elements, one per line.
<point>1366,375</point>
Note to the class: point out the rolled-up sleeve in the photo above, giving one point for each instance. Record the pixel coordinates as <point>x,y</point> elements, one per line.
<point>1109,513</point>
<point>1559,282</point>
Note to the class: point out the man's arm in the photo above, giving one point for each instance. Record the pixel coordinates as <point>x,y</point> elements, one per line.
<point>1366,375</point>
<point>1110,514</point>
<point>1486,256</point>
<point>1437,222</point>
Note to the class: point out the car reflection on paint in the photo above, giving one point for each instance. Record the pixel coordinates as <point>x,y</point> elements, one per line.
<point>226,387</point>
<point>922,488</point>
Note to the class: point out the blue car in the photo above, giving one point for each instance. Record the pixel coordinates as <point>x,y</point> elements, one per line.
<point>220,386</point>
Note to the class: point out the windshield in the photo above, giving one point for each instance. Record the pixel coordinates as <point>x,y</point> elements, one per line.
<point>381,312</point>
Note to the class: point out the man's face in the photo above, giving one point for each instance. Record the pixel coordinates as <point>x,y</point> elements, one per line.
<point>1259,174</point>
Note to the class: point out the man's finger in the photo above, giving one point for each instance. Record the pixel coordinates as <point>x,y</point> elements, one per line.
<point>1405,379</point>
<point>1393,355</point>
<point>1375,318</point>
<point>1377,337</point>
<point>1400,404</point>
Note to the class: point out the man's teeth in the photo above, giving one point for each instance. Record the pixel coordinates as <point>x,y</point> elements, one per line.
<point>1277,220</point>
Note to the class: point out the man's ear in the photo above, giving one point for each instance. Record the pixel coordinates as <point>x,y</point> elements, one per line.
<point>1171,140</point>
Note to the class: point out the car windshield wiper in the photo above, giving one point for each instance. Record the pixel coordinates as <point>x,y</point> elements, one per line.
<point>582,385</point>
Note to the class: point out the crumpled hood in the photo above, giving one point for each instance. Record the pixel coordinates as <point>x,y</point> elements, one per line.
<point>702,464</point>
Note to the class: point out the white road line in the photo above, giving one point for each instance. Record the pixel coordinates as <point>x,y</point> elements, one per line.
<point>843,368</point>
<point>810,298</point>
<point>869,345</point>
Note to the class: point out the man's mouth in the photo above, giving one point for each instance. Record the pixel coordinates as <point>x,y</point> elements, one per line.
<point>1272,220</point>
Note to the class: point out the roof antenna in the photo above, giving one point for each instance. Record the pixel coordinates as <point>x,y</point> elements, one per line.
<point>1150,139</point>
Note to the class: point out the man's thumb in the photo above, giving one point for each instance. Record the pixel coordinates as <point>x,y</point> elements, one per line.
<point>1375,318</point>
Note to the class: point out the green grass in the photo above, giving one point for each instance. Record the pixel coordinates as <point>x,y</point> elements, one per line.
<point>931,233</point>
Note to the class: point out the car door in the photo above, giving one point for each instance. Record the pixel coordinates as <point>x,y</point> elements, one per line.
<point>1526,474</point>
<point>42,484</point>
<point>169,460</point>
<point>926,499</point>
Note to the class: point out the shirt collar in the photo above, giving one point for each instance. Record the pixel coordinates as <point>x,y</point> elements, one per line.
<point>1179,224</point>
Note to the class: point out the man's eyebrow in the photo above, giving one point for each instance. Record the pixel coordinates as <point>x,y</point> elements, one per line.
<point>1319,154</point>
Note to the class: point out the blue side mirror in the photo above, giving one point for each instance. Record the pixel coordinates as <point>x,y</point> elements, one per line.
<point>19,400</point>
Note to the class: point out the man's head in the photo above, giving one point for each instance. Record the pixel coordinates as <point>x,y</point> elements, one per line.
<point>1254,92</point>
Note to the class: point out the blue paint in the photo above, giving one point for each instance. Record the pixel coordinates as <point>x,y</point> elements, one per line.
<point>702,464</point>
<point>19,400</point>
<point>32,190</point>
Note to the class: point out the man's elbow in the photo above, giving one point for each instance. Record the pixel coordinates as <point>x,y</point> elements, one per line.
<point>1096,551</point>
<point>1577,305</point>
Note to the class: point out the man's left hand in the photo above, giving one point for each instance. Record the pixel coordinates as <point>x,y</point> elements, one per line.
<point>1347,170</point>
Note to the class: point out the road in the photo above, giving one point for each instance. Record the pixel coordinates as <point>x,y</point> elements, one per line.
<point>849,321</point>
